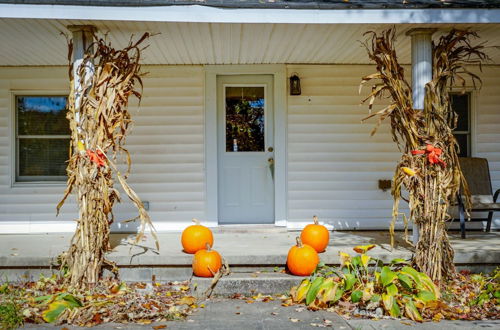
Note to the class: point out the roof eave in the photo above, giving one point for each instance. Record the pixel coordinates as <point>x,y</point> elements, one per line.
<point>205,14</point>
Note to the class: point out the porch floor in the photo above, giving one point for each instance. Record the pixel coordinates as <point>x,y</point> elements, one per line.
<point>241,246</point>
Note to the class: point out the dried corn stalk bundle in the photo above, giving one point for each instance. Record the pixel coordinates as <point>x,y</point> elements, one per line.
<point>429,169</point>
<point>99,122</point>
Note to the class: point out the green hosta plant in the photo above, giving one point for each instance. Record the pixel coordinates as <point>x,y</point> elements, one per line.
<point>364,280</point>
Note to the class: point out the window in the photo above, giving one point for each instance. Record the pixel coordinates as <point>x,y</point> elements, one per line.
<point>461,105</point>
<point>42,138</point>
<point>245,118</point>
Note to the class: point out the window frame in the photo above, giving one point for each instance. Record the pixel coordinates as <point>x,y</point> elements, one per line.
<point>31,180</point>
<point>472,118</point>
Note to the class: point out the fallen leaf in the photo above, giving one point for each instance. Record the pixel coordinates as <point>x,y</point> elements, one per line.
<point>161,326</point>
<point>294,320</point>
<point>187,300</point>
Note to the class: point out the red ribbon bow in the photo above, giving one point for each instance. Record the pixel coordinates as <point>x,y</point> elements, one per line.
<point>432,154</point>
<point>97,157</point>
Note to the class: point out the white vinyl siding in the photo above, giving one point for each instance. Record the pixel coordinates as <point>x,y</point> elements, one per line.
<point>334,164</point>
<point>166,146</point>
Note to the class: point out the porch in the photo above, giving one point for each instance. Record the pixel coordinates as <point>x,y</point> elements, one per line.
<point>256,255</point>
<point>326,162</point>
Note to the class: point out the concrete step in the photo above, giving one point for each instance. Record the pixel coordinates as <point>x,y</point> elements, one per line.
<point>25,256</point>
<point>246,284</point>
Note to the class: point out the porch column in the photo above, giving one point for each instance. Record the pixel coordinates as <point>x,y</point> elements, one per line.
<point>83,37</point>
<point>421,74</point>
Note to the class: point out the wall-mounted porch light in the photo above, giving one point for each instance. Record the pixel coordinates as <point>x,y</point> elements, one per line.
<point>295,85</point>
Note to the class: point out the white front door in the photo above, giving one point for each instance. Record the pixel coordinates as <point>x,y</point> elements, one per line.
<point>245,144</point>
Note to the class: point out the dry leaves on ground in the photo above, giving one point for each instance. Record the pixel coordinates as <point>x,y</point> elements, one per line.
<point>48,300</point>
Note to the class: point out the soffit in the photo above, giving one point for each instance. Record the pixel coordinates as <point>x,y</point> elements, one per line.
<point>42,42</point>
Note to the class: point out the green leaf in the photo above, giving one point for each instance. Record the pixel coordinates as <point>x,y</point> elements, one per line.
<point>387,276</point>
<point>356,296</point>
<point>392,289</point>
<point>395,311</point>
<point>55,309</point>
<point>329,293</point>
<point>72,300</point>
<point>427,284</point>
<point>44,299</point>
<point>313,290</point>
<point>426,296</point>
<point>411,311</point>
<point>496,294</point>
<point>477,277</point>
<point>338,294</point>
<point>399,261</point>
<point>387,300</point>
<point>375,298</point>
<point>350,279</point>
<point>390,305</point>
<point>4,288</point>
<point>405,280</point>
<point>356,261</point>
<point>415,275</point>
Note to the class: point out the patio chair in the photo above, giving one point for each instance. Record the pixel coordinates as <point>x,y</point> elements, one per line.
<point>477,174</point>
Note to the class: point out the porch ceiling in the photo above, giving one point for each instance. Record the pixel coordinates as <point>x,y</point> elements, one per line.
<point>39,42</point>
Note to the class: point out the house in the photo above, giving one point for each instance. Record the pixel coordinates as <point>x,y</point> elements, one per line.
<point>289,157</point>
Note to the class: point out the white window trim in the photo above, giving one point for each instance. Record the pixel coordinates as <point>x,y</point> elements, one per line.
<point>472,114</point>
<point>13,138</point>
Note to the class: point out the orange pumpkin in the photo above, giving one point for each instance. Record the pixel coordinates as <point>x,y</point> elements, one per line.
<point>196,237</point>
<point>206,262</point>
<point>315,235</point>
<point>302,259</point>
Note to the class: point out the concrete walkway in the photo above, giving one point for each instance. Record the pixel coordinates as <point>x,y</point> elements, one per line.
<point>226,314</point>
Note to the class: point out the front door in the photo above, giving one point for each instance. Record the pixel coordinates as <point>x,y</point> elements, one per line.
<point>245,142</point>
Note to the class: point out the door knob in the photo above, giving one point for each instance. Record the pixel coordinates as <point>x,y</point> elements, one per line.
<point>270,149</point>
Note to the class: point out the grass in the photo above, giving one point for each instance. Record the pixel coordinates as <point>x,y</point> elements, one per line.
<point>10,316</point>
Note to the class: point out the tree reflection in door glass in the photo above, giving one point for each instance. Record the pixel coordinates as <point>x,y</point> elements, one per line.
<point>244,119</point>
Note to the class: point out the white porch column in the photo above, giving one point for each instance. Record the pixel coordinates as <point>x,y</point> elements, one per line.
<point>83,37</point>
<point>421,74</point>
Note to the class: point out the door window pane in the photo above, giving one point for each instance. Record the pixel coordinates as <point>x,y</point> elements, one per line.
<point>244,119</point>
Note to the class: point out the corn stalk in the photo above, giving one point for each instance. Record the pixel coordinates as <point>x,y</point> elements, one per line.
<point>429,169</point>
<point>99,122</point>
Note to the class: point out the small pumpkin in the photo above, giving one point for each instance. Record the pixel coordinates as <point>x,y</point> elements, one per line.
<point>196,237</point>
<point>206,262</point>
<point>302,259</point>
<point>315,235</point>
